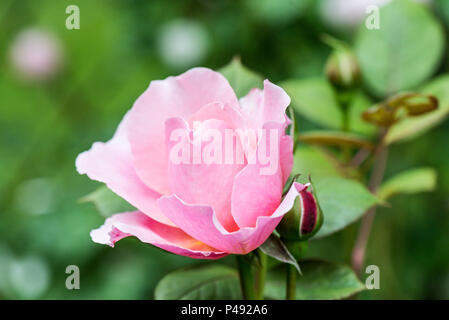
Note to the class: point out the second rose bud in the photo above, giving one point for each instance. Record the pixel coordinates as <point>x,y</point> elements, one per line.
<point>305,219</point>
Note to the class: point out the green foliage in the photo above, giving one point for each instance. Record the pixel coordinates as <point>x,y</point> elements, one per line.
<point>359,103</point>
<point>107,202</point>
<point>200,282</point>
<point>241,79</point>
<point>6,260</point>
<point>275,248</point>
<point>316,100</point>
<point>403,52</point>
<point>342,202</point>
<point>409,182</point>
<point>320,280</point>
<point>23,278</point>
<point>277,12</point>
<point>442,7</point>
<point>311,160</point>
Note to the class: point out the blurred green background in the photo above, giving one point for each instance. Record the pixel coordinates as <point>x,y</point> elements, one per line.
<point>48,117</point>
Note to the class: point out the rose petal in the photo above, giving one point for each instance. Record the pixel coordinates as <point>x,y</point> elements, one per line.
<point>181,97</point>
<point>267,105</point>
<point>195,180</point>
<point>218,111</point>
<point>286,156</point>
<point>200,222</point>
<point>150,231</point>
<point>112,163</point>
<point>257,189</point>
<point>260,107</point>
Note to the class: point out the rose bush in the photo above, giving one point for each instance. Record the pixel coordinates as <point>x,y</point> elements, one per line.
<point>200,210</point>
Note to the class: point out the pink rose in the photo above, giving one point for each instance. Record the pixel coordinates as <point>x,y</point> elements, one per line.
<point>198,207</point>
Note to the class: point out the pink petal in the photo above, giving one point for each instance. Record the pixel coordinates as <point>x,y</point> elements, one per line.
<point>267,105</point>
<point>150,231</point>
<point>251,106</point>
<point>200,182</point>
<point>112,163</point>
<point>260,107</point>
<point>200,222</point>
<point>218,111</point>
<point>286,156</point>
<point>257,189</point>
<point>181,97</point>
<point>276,102</point>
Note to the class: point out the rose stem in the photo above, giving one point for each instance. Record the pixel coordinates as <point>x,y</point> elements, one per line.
<point>261,274</point>
<point>358,253</point>
<point>291,282</point>
<point>246,277</point>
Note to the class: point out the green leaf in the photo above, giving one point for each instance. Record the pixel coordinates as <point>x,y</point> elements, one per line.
<point>315,99</point>
<point>241,79</point>
<point>342,202</point>
<point>310,160</point>
<point>358,105</point>
<point>6,260</point>
<point>275,248</point>
<point>409,182</point>
<point>414,126</point>
<point>320,280</point>
<point>403,52</point>
<point>335,138</point>
<point>442,7</point>
<point>107,202</point>
<point>277,12</point>
<point>200,282</point>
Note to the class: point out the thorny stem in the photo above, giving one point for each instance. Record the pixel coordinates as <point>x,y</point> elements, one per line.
<point>380,156</point>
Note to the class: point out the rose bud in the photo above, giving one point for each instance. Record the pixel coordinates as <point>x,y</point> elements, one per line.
<point>304,220</point>
<point>342,68</point>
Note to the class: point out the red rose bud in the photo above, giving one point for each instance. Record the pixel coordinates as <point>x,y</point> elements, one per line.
<point>304,219</point>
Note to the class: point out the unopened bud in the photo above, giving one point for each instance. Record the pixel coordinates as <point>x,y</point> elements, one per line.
<point>342,68</point>
<point>304,220</point>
